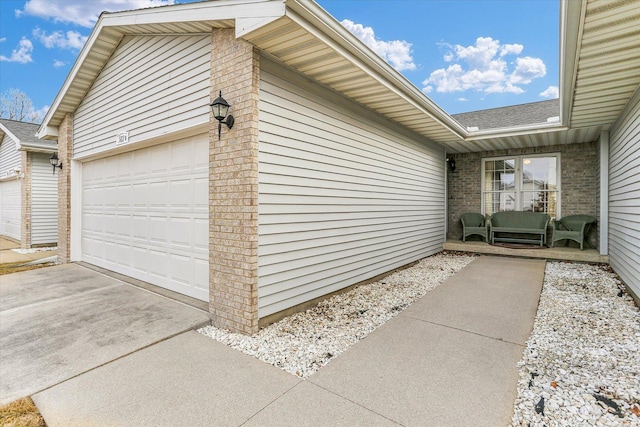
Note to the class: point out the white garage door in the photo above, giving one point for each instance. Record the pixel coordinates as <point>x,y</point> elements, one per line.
<point>10,202</point>
<point>145,214</point>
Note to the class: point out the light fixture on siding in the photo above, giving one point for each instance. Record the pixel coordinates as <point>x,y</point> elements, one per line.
<point>220,107</point>
<point>452,164</point>
<point>55,163</point>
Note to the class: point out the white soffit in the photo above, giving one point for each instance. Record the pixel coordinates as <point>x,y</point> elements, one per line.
<point>608,71</point>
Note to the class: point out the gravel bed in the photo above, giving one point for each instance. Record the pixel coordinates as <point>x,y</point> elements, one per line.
<point>581,366</point>
<point>304,342</point>
<point>34,250</point>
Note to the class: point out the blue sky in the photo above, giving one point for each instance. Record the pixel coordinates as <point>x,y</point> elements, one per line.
<point>465,55</point>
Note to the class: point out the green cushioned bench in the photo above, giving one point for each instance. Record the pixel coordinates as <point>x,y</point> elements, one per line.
<point>519,227</point>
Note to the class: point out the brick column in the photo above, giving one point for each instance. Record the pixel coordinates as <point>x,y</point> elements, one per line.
<point>25,194</point>
<point>233,187</point>
<point>65,147</point>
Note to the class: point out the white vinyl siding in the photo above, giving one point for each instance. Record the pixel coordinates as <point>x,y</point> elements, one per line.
<point>44,200</point>
<point>624,196</point>
<point>10,205</point>
<point>343,194</point>
<point>151,86</point>
<point>9,157</point>
<point>145,214</point>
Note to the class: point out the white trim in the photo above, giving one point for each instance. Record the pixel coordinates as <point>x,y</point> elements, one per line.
<point>186,132</point>
<point>572,17</point>
<point>604,193</point>
<point>75,239</point>
<point>518,179</point>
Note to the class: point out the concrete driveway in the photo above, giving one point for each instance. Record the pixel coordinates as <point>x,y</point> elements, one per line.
<point>62,321</point>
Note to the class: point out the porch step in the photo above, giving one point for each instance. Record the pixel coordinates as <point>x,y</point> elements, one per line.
<point>558,253</point>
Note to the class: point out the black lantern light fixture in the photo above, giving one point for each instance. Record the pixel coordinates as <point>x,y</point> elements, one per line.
<point>55,163</point>
<point>220,107</point>
<point>452,164</point>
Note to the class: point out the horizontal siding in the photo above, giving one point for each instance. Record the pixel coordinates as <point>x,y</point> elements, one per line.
<point>44,201</point>
<point>9,157</point>
<point>624,196</point>
<point>343,194</point>
<point>151,86</point>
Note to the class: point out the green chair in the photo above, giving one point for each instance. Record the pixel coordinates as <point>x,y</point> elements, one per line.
<point>473,223</point>
<point>572,227</point>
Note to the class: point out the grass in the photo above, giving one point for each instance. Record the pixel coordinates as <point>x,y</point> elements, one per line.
<point>19,266</point>
<point>21,413</point>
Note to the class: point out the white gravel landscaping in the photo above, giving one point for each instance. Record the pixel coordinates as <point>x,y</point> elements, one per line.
<point>304,342</point>
<point>581,366</point>
<point>35,250</point>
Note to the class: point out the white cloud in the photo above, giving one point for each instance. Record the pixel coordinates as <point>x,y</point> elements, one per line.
<point>483,67</point>
<point>527,69</point>
<point>3,39</point>
<point>396,52</point>
<point>21,54</point>
<point>70,40</point>
<point>462,99</point>
<point>57,63</point>
<point>82,12</point>
<point>550,92</point>
<point>509,49</point>
<point>42,112</point>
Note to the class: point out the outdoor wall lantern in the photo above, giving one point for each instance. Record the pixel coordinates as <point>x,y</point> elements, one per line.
<point>220,107</point>
<point>452,164</point>
<point>54,162</point>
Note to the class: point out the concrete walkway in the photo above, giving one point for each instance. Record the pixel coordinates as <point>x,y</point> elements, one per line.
<point>8,256</point>
<point>448,360</point>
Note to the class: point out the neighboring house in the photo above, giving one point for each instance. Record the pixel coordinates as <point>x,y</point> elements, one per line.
<point>28,189</point>
<point>334,171</point>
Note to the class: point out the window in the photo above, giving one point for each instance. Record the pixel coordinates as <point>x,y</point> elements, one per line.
<point>521,183</point>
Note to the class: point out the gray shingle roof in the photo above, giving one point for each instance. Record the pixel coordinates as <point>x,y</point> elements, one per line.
<point>515,115</point>
<point>25,132</point>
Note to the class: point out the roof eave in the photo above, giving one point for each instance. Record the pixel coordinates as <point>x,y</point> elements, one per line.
<point>202,11</point>
<point>571,26</point>
<point>357,50</point>
<point>515,131</point>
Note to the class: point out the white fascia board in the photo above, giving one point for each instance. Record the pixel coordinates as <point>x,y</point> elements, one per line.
<point>47,132</point>
<point>324,27</point>
<point>572,17</point>
<point>515,131</point>
<point>195,12</point>
<point>38,147</point>
<point>245,26</point>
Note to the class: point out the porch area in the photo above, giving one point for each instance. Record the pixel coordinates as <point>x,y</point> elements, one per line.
<point>561,253</point>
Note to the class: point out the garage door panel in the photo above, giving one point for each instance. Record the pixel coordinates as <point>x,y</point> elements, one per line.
<point>10,209</point>
<point>146,215</point>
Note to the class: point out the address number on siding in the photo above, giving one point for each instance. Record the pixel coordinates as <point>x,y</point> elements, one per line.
<point>122,138</point>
